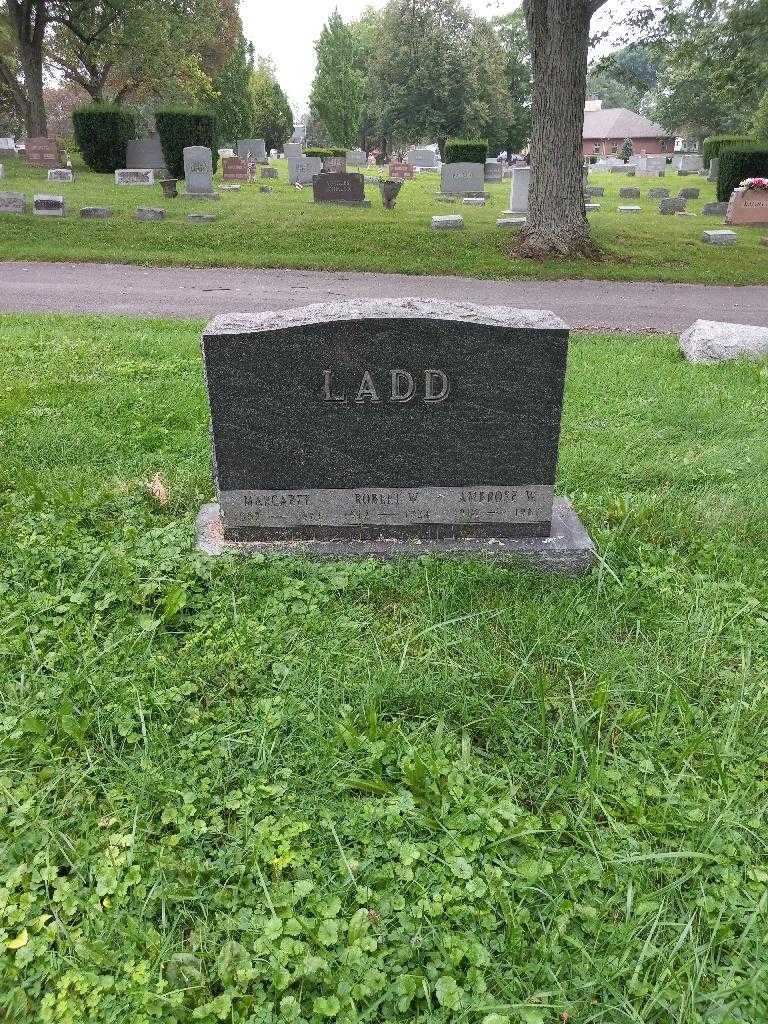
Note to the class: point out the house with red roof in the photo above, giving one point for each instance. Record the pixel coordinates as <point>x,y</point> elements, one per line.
<point>606,130</point>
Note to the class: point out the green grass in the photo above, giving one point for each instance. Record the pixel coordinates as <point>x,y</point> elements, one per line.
<point>286,229</point>
<point>262,791</point>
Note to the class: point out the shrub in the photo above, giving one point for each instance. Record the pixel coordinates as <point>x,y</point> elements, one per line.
<point>760,124</point>
<point>627,149</point>
<point>471,151</point>
<point>715,143</point>
<point>325,151</point>
<point>102,133</point>
<point>739,162</point>
<point>178,128</point>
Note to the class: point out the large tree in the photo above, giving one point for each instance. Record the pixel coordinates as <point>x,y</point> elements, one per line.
<point>23,25</point>
<point>559,35</point>
<point>272,115</point>
<point>438,72</point>
<point>233,98</point>
<point>338,89</point>
<point>712,58</point>
<point>121,49</point>
<point>513,39</point>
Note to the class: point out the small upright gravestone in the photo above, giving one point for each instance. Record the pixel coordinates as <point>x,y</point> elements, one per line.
<point>343,189</point>
<point>43,152</point>
<point>61,174</point>
<point>2,172</point>
<point>518,192</point>
<point>400,171</point>
<point>198,170</point>
<point>389,427</point>
<point>234,168</point>
<point>494,171</point>
<point>356,158</point>
<point>748,206</point>
<point>146,153</point>
<point>629,193</point>
<point>96,212</point>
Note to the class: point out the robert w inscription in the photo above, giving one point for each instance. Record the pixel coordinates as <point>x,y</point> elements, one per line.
<point>394,418</point>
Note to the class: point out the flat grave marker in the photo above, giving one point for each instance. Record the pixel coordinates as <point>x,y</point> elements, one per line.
<point>135,176</point>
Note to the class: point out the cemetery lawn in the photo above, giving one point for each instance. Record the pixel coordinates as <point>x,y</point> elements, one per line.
<point>262,791</point>
<point>286,229</point>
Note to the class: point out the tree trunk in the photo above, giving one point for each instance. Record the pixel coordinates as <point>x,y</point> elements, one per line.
<point>559,37</point>
<point>35,119</point>
<point>28,20</point>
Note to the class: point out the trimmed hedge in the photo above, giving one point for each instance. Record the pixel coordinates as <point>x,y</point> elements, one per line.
<point>715,143</point>
<point>324,151</point>
<point>470,151</point>
<point>739,162</point>
<point>102,133</point>
<point>178,128</point>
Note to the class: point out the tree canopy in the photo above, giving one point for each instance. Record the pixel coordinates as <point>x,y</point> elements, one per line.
<point>272,115</point>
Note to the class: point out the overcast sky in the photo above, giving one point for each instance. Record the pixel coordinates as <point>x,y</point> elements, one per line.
<point>286,31</point>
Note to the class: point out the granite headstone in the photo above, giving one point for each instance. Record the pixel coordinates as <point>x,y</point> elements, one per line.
<point>462,178</point>
<point>198,170</point>
<point>301,170</point>
<point>344,189</point>
<point>256,147</point>
<point>384,421</point>
<point>234,168</point>
<point>44,152</point>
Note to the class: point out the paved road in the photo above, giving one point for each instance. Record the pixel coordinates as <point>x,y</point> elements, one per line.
<point>184,292</point>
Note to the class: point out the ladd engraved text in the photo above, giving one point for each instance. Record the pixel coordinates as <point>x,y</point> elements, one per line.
<point>401,386</point>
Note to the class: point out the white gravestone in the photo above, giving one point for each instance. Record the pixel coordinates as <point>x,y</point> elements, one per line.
<point>61,174</point>
<point>198,170</point>
<point>518,192</point>
<point>293,151</point>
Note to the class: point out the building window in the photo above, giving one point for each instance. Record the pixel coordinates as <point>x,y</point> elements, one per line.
<point>615,147</point>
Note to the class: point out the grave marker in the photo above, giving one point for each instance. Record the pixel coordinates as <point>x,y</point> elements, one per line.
<point>234,168</point>
<point>198,170</point>
<point>256,147</point>
<point>389,427</point>
<point>43,152</point>
<point>301,170</point>
<point>49,206</point>
<point>343,189</point>
<point>462,178</point>
<point>748,206</point>
<point>135,176</point>
<point>13,202</point>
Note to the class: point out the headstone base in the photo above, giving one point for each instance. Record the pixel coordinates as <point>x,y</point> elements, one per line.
<point>364,204</point>
<point>567,549</point>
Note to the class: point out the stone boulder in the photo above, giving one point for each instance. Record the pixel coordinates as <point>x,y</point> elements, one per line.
<point>709,341</point>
